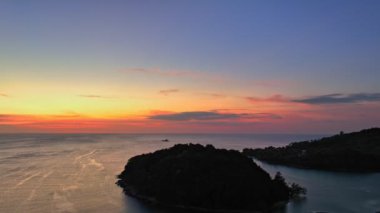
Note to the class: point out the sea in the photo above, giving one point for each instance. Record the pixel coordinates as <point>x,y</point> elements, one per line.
<point>67,173</point>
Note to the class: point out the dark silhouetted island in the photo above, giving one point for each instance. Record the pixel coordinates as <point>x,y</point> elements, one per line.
<point>204,178</point>
<point>352,152</point>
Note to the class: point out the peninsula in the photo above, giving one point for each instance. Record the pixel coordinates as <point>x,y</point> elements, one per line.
<point>353,152</point>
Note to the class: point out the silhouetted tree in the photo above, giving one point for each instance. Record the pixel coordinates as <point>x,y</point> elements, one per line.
<point>296,190</point>
<point>279,178</point>
<point>357,151</point>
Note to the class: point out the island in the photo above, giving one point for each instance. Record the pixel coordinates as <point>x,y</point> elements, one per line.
<point>352,152</point>
<point>198,177</point>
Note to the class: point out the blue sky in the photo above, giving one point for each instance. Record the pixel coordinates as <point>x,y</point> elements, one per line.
<point>298,48</point>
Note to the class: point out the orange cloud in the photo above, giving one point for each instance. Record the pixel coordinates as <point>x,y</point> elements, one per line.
<point>156,121</point>
<point>69,123</point>
<point>293,118</point>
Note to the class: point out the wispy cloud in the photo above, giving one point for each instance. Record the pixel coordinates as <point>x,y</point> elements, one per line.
<point>273,98</point>
<point>16,119</point>
<point>26,118</point>
<point>213,95</point>
<point>4,95</point>
<point>93,96</point>
<point>339,98</point>
<point>197,115</point>
<point>67,123</point>
<point>157,71</point>
<point>335,98</point>
<point>275,83</point>
<point>167,92</point>
<point>191,74</point>
<point>210,115</point>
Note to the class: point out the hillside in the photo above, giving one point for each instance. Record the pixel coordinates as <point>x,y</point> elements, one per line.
<point>356,152</point>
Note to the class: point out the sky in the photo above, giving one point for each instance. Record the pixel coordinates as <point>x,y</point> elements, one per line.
<point>199,66</point>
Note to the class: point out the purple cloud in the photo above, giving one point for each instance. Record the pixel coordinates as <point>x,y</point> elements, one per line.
<point>210,115</point>
<point>338,98</point>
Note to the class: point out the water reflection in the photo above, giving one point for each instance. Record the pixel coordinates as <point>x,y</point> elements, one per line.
<point>332,191</point>
<point>76,173</point>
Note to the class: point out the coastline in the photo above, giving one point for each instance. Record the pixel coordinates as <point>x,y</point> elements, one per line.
<point>296,166</point>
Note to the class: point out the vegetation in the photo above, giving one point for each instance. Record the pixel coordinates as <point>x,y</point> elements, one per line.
<point>203,178</point>
<point>357,152</point>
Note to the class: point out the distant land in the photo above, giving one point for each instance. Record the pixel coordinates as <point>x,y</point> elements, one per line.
<point>351,152</point>
<point>197,177</point>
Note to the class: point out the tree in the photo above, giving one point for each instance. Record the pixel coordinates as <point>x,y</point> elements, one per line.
<point>296,190</point>
<point>279,178</point>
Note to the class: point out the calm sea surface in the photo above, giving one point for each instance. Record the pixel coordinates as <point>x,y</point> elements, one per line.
<point>76,173</point>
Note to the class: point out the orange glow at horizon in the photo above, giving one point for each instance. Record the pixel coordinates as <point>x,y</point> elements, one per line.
<point>105,107</point>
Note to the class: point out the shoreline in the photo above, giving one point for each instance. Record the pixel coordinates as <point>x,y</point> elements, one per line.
<point>317,169</point>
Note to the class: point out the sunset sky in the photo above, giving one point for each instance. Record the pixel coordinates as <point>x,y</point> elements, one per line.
<point>195,66</point>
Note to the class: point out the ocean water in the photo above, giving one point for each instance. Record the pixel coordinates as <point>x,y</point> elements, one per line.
<point>77,173</point>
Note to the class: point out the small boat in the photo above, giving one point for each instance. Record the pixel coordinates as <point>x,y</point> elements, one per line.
<point>165,140</point>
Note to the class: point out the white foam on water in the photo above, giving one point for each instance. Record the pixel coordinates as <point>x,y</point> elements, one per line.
<point>98,165</point>
<point>83,156</point>
<point>23,181</point>
<point>62,204</point>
